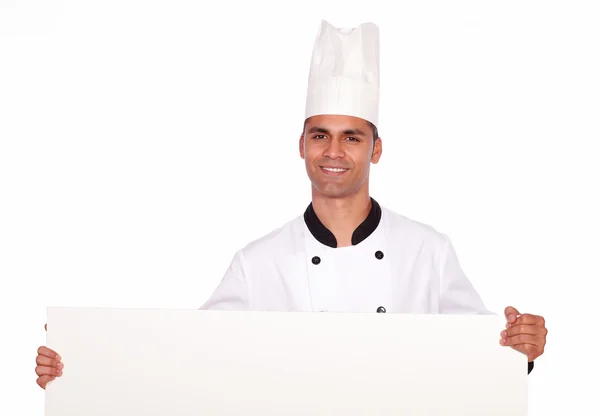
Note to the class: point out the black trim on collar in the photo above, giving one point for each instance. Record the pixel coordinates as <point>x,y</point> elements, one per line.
<point>326,237</point>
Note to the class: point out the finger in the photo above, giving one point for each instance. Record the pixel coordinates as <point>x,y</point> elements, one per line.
<point>529,319</point>
<point>511,313</point>
<point>48,362</point>
<point>43,380</point>
<point>42,370</point>
<point>531,351</point>
<point>47,352</point>
<point>524,330</point>
<point>521,339</point>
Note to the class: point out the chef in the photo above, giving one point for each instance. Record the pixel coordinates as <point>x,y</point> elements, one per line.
<point>346,252</point>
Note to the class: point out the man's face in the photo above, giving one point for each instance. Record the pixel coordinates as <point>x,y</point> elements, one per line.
<point>338,151</point>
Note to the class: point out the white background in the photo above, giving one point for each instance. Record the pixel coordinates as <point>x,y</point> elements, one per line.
<point>143,142</point>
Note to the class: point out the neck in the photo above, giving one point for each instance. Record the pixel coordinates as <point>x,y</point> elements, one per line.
<point>342,215</point>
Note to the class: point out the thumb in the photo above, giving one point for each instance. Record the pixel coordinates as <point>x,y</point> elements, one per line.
<point>511,314</point>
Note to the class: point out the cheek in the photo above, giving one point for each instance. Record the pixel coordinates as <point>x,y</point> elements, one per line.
<point>311,153</point>
<point>361,159</point>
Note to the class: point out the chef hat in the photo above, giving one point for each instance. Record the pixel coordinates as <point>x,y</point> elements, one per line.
<point>344,72</point>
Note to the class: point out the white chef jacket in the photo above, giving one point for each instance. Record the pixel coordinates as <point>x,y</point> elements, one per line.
<point>395,265</point>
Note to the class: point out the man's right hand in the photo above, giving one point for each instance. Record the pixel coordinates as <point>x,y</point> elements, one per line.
<point>48,366</point>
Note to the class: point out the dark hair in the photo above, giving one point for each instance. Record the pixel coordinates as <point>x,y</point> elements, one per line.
<point>375,132</point>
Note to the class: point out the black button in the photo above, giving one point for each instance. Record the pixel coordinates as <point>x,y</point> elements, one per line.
<point>379,254</point>
<point>381,309</point>
<point>316,260</point>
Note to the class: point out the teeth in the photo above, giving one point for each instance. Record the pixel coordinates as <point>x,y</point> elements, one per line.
<point>335,169</point>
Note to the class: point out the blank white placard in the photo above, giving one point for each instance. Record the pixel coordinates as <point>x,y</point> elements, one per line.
<point>124,362</point>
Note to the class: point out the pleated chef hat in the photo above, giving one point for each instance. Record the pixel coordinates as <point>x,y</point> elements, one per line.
<point>344,72</point>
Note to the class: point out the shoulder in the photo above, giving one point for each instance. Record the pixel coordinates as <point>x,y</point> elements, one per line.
<point>277,240</point>
<point>401,226</point>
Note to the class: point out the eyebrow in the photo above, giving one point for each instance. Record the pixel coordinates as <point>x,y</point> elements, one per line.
<point>354,132</point>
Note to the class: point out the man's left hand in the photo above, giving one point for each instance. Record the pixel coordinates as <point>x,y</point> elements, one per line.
<point>524,332</point>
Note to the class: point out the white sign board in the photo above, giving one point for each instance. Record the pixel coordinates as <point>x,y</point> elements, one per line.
<point>125,362</point>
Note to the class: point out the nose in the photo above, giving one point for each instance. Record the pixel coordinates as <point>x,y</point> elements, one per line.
<point>334,150</point>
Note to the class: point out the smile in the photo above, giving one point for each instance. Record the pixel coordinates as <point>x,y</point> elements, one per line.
<point>334,170</point>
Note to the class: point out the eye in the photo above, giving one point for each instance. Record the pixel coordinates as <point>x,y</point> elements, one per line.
<point>319,136</point>
<point>354,139</point>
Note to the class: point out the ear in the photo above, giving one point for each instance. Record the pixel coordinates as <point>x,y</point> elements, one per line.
<point>301,145</point>
<point>377,150</point>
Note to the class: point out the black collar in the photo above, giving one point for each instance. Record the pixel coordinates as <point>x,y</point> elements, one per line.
<point>324,236</point>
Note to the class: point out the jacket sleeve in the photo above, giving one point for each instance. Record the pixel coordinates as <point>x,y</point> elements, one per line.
<point>457,294</point>
<point>232,291</point>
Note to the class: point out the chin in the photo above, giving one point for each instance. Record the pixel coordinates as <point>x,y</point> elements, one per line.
<point>333,191</point>
<point>330,188</point>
